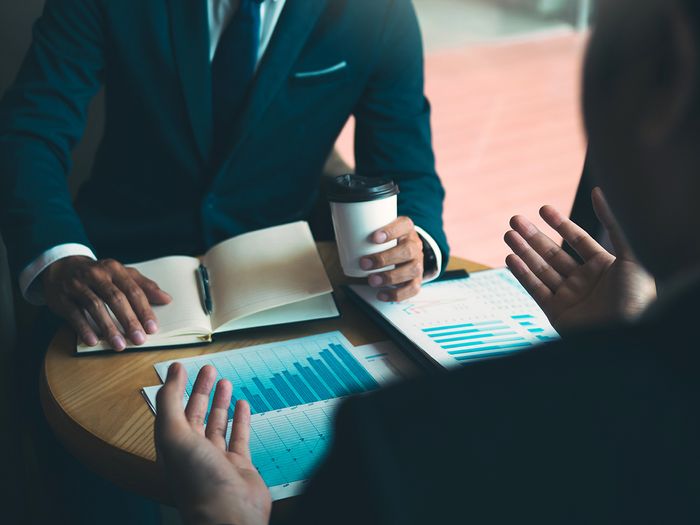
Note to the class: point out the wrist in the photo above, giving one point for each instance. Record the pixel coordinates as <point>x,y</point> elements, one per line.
<point>30,283</point>
<point>55,267</point>
<point>430,264</point>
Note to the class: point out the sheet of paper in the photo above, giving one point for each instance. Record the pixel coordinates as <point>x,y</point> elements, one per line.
<point>321,307</point>
<point>454,322</point>
<point>288,442</point>
<point>264,269</point>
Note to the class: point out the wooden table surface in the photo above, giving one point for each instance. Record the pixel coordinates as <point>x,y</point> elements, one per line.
<point>94,404</point>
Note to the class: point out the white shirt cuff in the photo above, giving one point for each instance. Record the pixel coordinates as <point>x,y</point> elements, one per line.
<point>438,255</point>
<point>29,285</point>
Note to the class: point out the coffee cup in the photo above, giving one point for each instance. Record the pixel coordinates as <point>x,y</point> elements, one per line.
<point>360,206</point>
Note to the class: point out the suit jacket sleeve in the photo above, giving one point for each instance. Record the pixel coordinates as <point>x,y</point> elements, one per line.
<point>41,119</point>
<point>393,136</point>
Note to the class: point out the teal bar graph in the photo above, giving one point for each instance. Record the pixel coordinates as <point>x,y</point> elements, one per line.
<point>489,338</point>
<point>305,371</point>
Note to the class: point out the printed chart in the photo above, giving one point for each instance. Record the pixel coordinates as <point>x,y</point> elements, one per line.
<point>286,446</point>
<point>454,322</point>
<point>281,375</point>
<point>289,436</point>
<point>489,338</point>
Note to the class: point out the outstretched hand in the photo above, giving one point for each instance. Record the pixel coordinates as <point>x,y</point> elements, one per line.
<point>211,482</point>
<point>604,288</point>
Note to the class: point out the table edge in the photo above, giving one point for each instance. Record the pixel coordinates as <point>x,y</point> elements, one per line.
<point>70,432</point>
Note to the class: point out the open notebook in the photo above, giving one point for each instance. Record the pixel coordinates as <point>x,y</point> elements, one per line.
<point>268,277</point>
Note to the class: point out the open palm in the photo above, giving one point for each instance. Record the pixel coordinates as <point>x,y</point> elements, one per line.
<point>210,481</point>
<point>604,288</point>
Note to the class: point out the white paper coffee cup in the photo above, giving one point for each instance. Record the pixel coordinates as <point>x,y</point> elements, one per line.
<point>360,206</point>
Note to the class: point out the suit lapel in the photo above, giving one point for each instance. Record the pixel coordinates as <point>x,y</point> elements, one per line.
<point>296,23</point>
<point>190,38</point>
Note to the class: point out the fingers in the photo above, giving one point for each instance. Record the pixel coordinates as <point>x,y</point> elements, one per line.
<point>140,304</point>
<point>607,219</point>
<point>197,406</point>
<point>405,279</point>
<point>401,293</point>
<point>95,286</point>
<point>537,265</point>
<point>77,320</point>
<point>409,248</point>
<point>550,251</point>
<point>397,229</point>
<point>153,292</point>
<point>95,306</point>
<point>400,275</point>
<point>127,300</point>
<point>240,433</point>
<point>169,399</point>
<point>122,309</point>
<point>536,288</point>
<point>218,415</point>
<point>577,237</point>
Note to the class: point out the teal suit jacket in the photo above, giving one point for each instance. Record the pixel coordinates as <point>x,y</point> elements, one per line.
<point>155,188</point>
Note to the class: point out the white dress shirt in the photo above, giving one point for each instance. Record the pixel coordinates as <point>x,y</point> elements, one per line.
<point>220,13</point>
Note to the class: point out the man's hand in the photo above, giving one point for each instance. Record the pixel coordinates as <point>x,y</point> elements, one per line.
<point>76,284</point>
<point>210,482</point>
<point>405,280</point>
<point>604,288</point>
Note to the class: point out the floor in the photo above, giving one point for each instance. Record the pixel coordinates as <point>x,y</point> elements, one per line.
<point>506,119</point>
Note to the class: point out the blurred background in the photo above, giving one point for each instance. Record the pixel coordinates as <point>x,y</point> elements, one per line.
<point>503,77</point>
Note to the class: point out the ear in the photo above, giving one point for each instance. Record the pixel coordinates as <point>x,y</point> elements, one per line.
<point>673,73</point>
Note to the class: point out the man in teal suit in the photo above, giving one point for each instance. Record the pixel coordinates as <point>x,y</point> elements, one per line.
<point>219,117</point>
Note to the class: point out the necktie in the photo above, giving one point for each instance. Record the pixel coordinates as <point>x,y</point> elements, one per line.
<point>233,67</point>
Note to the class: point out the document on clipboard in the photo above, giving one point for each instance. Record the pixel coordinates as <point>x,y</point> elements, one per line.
<point>454,322</point>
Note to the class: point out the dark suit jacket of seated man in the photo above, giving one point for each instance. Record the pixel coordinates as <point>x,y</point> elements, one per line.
<point>602,427</point>
<point>159,184</point>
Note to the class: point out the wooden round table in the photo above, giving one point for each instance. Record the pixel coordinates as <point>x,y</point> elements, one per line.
<point>94,403</point>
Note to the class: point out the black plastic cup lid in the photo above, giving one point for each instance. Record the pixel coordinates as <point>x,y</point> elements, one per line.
<point>355,188</point>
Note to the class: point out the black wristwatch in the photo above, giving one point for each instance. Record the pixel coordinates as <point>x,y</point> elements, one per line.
<point>429,258</point>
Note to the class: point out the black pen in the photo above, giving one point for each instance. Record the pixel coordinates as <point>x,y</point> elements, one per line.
<point>206,291</point>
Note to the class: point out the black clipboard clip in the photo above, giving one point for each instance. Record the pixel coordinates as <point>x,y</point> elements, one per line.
<point>452,275</point>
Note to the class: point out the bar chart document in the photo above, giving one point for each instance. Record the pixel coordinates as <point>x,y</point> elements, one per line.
<point>454,322</point>
<point>293,389</point>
